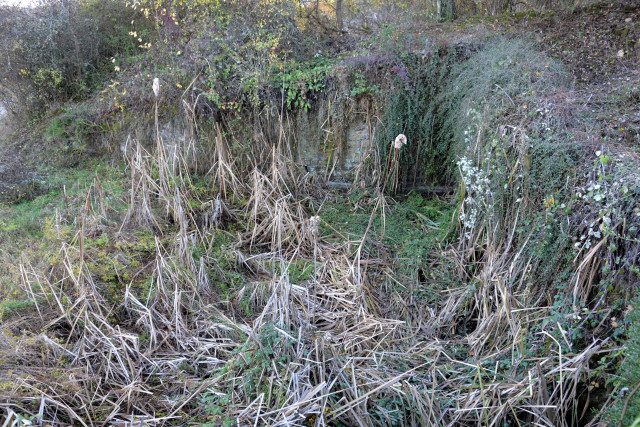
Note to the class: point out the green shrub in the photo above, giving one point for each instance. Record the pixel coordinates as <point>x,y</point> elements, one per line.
<point>61,50</point>
<point>496,79</point>
<point>413,112</point>
<point>626,408</point>
<point>449,106</point>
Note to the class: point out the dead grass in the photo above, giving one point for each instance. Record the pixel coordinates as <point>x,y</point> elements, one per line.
<point>154,356</point>
<point>336,348</point>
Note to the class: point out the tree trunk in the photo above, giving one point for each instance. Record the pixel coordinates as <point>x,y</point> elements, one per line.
<point>339,17</point>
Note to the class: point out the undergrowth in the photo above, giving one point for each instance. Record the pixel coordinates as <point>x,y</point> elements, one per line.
<point>626,409</point>
<point>212,281</point>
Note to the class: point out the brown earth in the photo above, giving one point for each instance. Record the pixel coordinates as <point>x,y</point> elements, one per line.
<point>599,44</point>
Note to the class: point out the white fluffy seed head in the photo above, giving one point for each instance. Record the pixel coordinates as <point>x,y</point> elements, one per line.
<point>400,141</point>
<point>314,225</point>
<point>156,86</point>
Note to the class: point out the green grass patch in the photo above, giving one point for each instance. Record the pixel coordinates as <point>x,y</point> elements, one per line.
<point>30,231</point>
<point>299,270</point>
<point>410,230</point>
<point>28,217</point>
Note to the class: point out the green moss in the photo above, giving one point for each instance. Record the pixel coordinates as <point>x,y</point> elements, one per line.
<point>414,228</point>
<point>8,307</point>
<point>225,276</point>
<point>28,217</point>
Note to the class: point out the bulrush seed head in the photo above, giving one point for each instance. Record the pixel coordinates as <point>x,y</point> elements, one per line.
<point>314,223</point>
<point>156,86</point>
<point>400,141</point>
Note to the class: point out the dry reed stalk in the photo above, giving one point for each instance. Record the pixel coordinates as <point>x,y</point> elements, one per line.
<point>140,200</point>
<point>223,170</point>
<point>355,355</point>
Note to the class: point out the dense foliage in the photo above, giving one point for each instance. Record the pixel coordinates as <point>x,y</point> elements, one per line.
<point>61,50</point>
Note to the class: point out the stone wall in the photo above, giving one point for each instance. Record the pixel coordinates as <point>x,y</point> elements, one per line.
<point>331,139</point>
<point>328,141</point>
